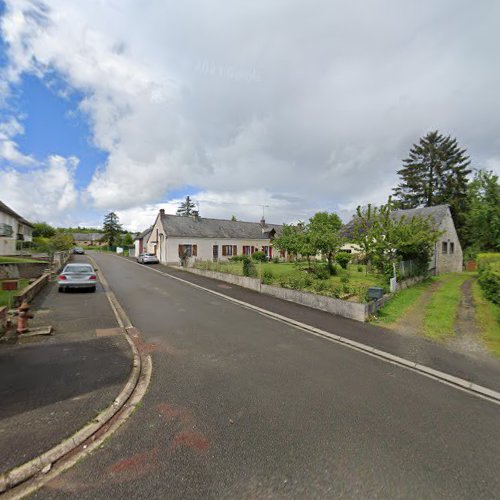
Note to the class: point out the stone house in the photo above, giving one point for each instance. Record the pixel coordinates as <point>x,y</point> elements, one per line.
<point>447,256</point>
<point>175,238</point>
<point>13,229</point>
<point>88,239</point>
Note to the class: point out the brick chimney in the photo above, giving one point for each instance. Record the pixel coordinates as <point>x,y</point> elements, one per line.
<point>162,212</point>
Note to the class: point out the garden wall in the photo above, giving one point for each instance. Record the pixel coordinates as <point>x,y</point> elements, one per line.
<point>24,270</point>
<point>352,310</point>
<point>30,292</point>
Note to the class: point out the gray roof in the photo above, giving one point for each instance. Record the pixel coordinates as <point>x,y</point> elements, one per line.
<point>7,210</point>
<point>87,236</point>
<point>144,233</point>
<point>200,227</point>
<point>437,213</point>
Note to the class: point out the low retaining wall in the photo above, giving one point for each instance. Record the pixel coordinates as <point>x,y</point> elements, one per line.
<point>352,310</point>
<point>22,270</point>
<point>30,292</point>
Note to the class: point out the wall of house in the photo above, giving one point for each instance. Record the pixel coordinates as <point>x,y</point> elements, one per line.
<point>8,244</point>
<point>448,262</point>
<point>205,248</point>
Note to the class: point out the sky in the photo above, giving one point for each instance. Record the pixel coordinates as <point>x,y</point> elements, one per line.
<point>282,106</point>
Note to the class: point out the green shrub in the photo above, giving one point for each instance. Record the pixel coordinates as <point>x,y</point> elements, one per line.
<point>237,258</point>
<point>321,272</point>
<point>276,260</point>
<point>267,277</point>
<point>360,269</point>
<point>249,267</point>
<point>259,256</point>
<point>344,278</point>
<point>343,258</point>
<point>334,270</point>
<point>488,268</point>
<point>319,286</point>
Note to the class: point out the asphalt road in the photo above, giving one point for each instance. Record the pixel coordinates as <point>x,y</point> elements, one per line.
<point>242,406</point>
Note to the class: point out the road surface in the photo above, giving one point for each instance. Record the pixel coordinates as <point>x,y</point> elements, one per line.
<point>243,406</point>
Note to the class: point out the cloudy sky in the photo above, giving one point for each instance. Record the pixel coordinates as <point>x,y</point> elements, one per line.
<point>130,105</point>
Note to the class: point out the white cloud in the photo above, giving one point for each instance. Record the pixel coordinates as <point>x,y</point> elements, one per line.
<point>253,103</point>
<point>9,150</point>
<point>46,193</point>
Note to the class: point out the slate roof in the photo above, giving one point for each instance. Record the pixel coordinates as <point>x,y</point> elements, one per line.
<point>142,235</point>
<point>5,209</point>
<point>437,213</point>
<point>190,227</point>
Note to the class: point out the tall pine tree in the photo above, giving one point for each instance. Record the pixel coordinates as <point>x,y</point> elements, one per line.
<point>186,208</point>
<point>435,173</point>
<point>112,228</point>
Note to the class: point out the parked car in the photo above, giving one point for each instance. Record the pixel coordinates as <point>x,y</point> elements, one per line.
<point>77,276</point>
<point>147,258</point>
<point>78,250</point>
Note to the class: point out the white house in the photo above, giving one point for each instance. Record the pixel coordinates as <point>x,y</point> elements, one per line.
<point>174,238</point>
<point>13,228</point>
<point>447,256</point>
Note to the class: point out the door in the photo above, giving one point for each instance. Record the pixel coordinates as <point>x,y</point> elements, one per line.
<point>215,252</point>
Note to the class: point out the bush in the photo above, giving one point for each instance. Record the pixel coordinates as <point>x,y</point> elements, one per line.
<point>334,270</point>
<point>321,272</point>
<point>267,277</point>
<point>249,267</point>
<point>344,279</point>
<point>259,256</point>
<point>319,286</point>
<point>276,260</point>
<point>360,269</point>
<point>488,268</point>
<point>237,258</point>
<point>343,258</point>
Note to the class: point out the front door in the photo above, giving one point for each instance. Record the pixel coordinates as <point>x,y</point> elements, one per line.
<point>215,253</point>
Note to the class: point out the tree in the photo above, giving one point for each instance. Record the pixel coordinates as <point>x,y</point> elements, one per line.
<point>186,208</point>
<point>61,242</point>
<point>324,235</point>
<point>387,240</point>
<point>435,173</point>
<point>43,230</point>
<point>112,228</point>
<point>482,228</point>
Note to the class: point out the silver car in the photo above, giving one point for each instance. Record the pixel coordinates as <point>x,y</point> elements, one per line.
<point>77,276</point>
<point>147,258</point>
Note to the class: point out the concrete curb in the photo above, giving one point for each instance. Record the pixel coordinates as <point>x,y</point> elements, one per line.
<point>457,382</point>
<point>131,393</point>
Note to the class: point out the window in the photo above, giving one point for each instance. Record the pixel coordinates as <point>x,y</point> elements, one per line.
<point>452,247</point>
<point>445,247</point>
<point>229,250</point>
<point>247,250</point>
<point>187,251</point>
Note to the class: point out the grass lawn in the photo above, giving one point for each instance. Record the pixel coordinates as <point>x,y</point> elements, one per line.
<point>441,310</point>
<point>6,297</point>
<point>487,318</point>
<point>18,260</point>
<point>402,302</point>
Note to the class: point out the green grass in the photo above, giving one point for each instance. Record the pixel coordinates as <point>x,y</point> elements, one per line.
<point>488,319</point>
<point>441,310</point>
<point>402,301</point>
<point>6,296</point>
<point>18,260</point>
<point>358,280</point>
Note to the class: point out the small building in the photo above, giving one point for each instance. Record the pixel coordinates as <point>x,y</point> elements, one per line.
<point>88,239</point>
<point>447,256</point>
<point>13,229</point>
<point>175,239</point>
<point>140,242</point>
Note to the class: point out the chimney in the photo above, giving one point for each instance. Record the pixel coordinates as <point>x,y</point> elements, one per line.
<point>196,215</point>
<point>162,212</point>
<point>263,222</point>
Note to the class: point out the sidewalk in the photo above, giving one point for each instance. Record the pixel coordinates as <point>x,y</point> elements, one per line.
<point>416,349</point>
<point>51,386</point>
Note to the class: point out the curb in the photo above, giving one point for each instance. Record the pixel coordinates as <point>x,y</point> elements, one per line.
<point>141,368</point>
<point>445,378</point>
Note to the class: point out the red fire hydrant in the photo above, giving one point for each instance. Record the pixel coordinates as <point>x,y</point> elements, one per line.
<point>23,314</point>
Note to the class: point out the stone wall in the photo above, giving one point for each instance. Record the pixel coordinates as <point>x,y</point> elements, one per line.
<point>30,292</point>
<point>24,270</point>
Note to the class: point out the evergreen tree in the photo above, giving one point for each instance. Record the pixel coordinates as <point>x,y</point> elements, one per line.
<point>186,208</point>
<point>435,173</point>
<point>112,228</point>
